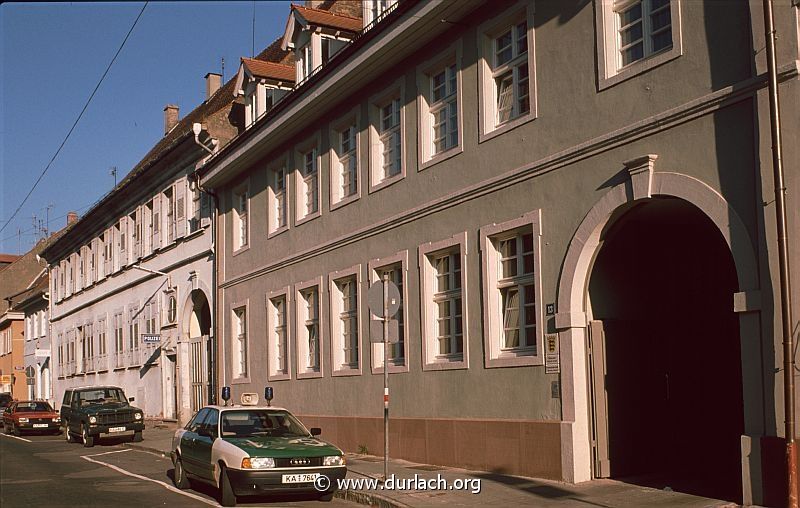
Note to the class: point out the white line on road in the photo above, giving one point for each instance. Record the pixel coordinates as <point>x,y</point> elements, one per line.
<point>106,453</point>
<point>159,482</point>
<point>20,438</point>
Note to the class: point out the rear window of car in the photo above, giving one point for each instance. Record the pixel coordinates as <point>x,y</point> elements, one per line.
<point>33,406</point>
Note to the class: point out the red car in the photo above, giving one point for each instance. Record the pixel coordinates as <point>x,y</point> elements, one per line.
<point>30,415</point>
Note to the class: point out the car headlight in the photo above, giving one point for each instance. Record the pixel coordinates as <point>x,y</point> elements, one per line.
<point>333,460</point>
<point>57,419</point>
<point>258,463</point>
<point>23,420</point>
<point>92,419</point>
<point>138,416</point>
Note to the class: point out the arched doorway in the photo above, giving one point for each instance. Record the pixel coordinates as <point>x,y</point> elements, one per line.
<point>200,351</point>
<point>665,366</point>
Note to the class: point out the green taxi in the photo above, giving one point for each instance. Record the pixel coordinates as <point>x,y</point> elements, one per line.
<point>255,450</point>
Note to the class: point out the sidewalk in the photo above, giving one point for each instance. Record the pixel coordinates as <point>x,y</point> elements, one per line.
<point>495,489</point>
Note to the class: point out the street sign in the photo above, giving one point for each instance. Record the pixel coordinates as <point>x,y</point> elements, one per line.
<point>375,299</point>
<point>376,330</point>
<point>151,338</point>
<point>552,359</point>
<point>41,353</point>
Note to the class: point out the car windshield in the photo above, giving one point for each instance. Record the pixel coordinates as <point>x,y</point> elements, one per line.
<point>101,396</point>
<point>24,407</point>
<point>261,422</point>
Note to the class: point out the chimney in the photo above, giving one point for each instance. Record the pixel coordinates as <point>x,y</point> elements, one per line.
<point>213,82</point>
<point>170,117</point>
<point>71,217</point>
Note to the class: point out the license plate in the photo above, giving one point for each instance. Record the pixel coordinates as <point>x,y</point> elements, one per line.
<point>299,478</point>
<point>116,429</point>
<point>39,425</point>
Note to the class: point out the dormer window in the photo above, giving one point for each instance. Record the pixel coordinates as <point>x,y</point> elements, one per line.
<point>374,9</point>
<point>306,60</point>
<point>262,84</point>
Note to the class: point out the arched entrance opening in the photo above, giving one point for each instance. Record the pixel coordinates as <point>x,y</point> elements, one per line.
<point>665,363</point>
<point>200,351</point>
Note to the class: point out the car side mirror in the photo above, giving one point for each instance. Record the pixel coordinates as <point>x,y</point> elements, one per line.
<point>316,431</point>
<point>205,433</point>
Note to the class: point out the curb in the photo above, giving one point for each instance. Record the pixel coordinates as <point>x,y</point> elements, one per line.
<point>369,499</point>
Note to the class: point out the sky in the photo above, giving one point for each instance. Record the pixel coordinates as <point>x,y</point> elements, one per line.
<point>52,56</point>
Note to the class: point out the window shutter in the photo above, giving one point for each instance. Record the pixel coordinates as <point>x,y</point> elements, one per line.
<point>137,233</point>
<point>123,241</point>
<point>109,245</point>
<point>180,208</point>
<point>205,209</point>
<point>156,222</point>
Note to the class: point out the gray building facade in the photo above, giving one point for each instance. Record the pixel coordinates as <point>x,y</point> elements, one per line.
<point>575,200</point>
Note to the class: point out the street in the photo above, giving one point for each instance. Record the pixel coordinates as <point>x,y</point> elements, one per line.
<point>43,470</point>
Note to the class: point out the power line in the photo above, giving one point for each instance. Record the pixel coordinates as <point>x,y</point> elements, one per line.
<point>80,115</point>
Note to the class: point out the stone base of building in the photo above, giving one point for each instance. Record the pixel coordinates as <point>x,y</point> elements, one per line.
<point>515,447</point>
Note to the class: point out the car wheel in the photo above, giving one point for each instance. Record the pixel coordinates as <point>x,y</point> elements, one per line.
<point>327,498</point>
<point>137,436</point>
<point>226,495</point>
<point>88,440</point>
<point>180,479</point>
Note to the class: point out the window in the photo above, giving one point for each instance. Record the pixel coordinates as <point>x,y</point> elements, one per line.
<point>309,342</point>
<point>123,242</point>
<point>511,286</point>
<point>240,222</point>
<point>151,316</point>
<point>100,255</point>
<point>171,310</point>
<point>386,137</point>
<point>309,187</point>
<point>133,336</point>
<point>169,196</point>
<point>88,348</point>
<point>345,334</point>
<point>305,61</point>
<point>119,343</point>
<point>278,334</point>
<point>344,163</point>
<point>440,108</point>
<point>278,200</point>
<point>374,9</point>
<point>135,229</point>
<point>240,342</point>
<point>155,224</point>
<point>395,268</point>
<point>101,345</point>
<point>634,36</point>
<point>443,299</point>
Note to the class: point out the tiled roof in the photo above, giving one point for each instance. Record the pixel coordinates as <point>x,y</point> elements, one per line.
<point>329,19</point>
<point>274,53</point>
<point>8,258</point>
<point>16,276</point>
<point>272,70</point>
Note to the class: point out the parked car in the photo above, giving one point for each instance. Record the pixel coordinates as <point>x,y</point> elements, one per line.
<point>250,450</point>
<point>5,400</point>
<point>93,411</point>
<point>30,415</point>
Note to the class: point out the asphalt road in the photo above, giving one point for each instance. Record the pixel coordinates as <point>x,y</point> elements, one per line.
<point>44,470</point>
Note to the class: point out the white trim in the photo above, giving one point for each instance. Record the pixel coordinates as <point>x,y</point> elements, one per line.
<point>427,306</point>
<point>395,91</point>
<point>278,163</point>
<point>236,193</point>
<point>376,362</point>
<point>272,373</point>
<point>311,143</point>
<point>237,375</point>
<point>351,118</point>
<point>301,348</point>
<point>337,346</point>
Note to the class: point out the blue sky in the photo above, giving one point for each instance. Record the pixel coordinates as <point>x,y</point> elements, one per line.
<point>52,56</point>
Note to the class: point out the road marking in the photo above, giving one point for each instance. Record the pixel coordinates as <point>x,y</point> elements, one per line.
<point>159,482</point>
<point>106,453</point>
<point>20,438</point>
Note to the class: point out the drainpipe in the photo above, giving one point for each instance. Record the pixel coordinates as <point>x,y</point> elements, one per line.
<point>783,259</point>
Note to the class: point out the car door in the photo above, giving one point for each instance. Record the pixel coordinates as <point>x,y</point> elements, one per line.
<point>7,415</point>
<point>204,443</point>
<point>65,406</point>
<point>188,441</point>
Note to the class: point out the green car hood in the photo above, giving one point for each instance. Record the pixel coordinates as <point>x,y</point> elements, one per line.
<point>283,447</point>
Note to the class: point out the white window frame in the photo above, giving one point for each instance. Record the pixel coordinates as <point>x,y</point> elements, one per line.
<point>118,327</point>
<point>101,331</point>
<point>425,72</point>
<point>609,69</point>
<point>487,96</point>
<point>336,173</point>
<point>237,228</point>
<point>377,179</point>
<point>302,181</point>
<point>134,335</point>
<point>281,164</point>
<point>170,318</point>
<point>338,365</point>
<point>377,347</point>
<point>494,355</point>
<point>272,346</point>
<point>239,377</point>
<point>301,317</point>
<point>431,360</point>
<point>378,6</point>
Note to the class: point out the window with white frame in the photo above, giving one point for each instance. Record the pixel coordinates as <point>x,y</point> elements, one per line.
<point>448,302</point>
<point>397,353</point>
<point>278,200</point>
<point>88,351</point>
<point>151,316</point>
<point>511,284</point>
<point>344,180</point>
<point>119,341</point>
<point>305,61</point>
<point>240,219</point>
<point>100,332</point>
<point>278,330</point>
<point>345,320</point>
<point>240,369</point>
<point>308,337</point>
<point>390,141</point>
<point>635,35</point>
<point>374,9</point>
<point>133,335</point>
<point>309,185</point>
<point>439,105</point>
<point>170,307</point>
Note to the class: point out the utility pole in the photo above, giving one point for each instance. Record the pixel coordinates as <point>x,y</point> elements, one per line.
<point>113,173</point>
